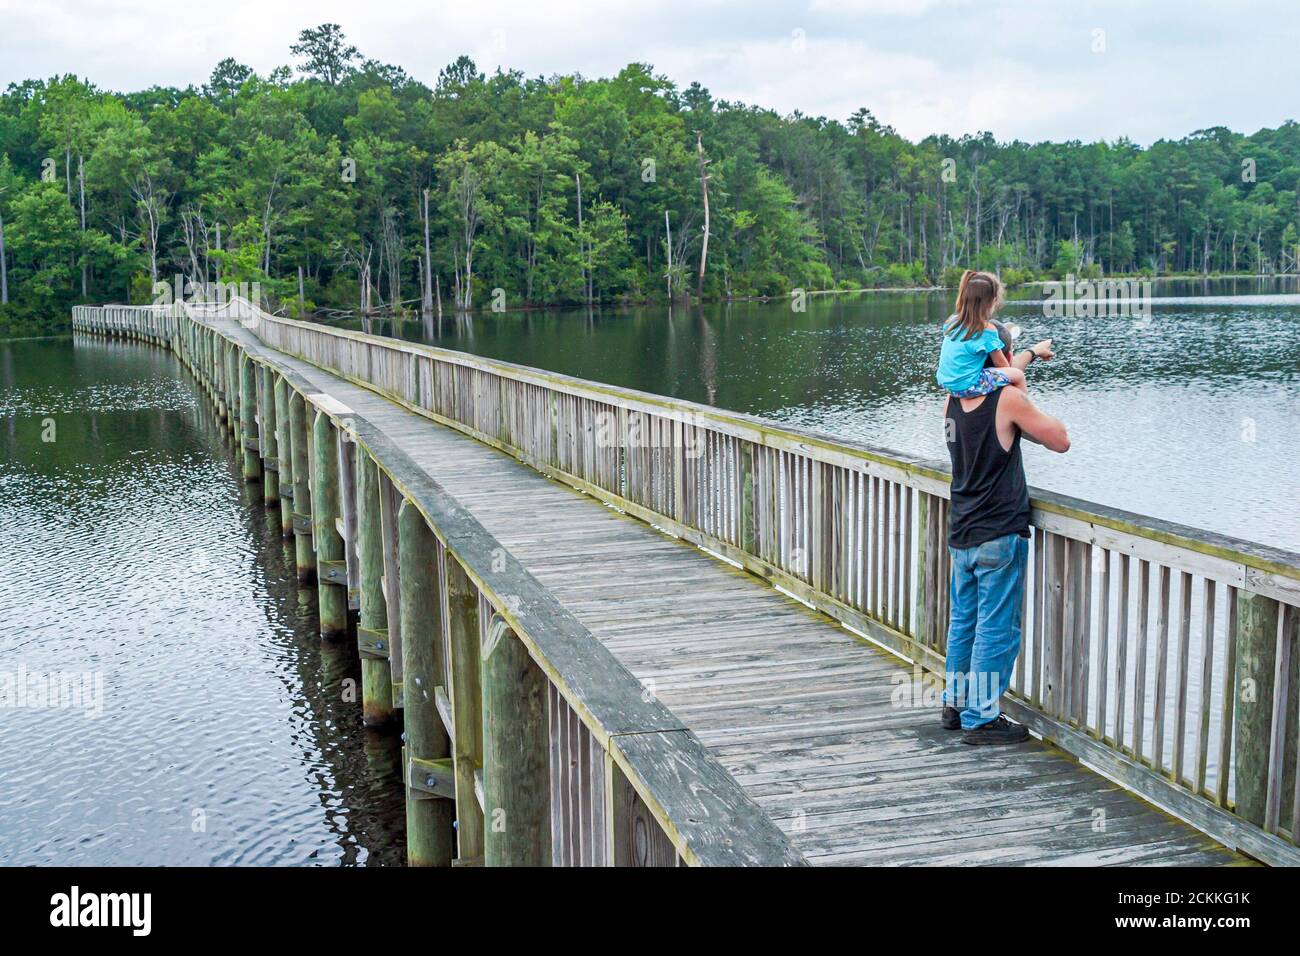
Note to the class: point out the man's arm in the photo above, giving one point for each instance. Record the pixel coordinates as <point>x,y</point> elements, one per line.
<point>1034,424</point>
<point>1039,350</point>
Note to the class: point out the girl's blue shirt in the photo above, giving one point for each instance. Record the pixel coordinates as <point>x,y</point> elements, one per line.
<point>961,359</point>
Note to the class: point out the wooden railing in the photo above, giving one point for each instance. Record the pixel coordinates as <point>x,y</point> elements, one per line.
<point>1161,655</point>
<point>157,323</point>
<point>526,741</point>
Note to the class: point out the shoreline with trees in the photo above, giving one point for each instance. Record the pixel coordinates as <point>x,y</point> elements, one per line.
<point>344,184</point>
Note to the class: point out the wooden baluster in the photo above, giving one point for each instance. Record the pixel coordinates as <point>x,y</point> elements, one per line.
<point>1121,650</point>
<point>1083,634</point>
<point>1162,670</point>
<point>1184,660</point>
<point>905,623</point>
<point>1103,639</point>
<point>1055,687</point>
<point>923,615</point>
<point>1228,704</point>
<point>1071,638</point>
<point>1140,685</point>
<point>1207,683</point>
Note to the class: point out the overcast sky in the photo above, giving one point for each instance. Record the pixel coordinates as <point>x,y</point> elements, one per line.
<point>1027,69</point>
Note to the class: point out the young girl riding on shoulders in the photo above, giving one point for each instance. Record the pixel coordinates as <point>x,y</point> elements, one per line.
<point>971,341</point>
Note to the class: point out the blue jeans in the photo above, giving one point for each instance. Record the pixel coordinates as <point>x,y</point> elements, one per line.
<point>988,584</point>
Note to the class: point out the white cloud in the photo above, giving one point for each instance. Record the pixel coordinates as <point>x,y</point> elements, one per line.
<point>1019,68</point>
<point>910,8</point>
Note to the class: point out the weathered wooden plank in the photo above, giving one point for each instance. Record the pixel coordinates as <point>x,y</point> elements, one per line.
<point>674,778</point>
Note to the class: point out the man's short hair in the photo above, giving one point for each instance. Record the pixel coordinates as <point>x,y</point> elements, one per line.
<point>1007,332</point>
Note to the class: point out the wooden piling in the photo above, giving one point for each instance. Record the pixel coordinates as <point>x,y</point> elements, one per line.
<point>466,704</point>
<point>429,774</point>
<point>372,632</point>
<point>247,423</point>
<point>516,774</point>
<point>232,387</point>
<point>301,522</point>
<point>218,372</point>
<point>284,447</point>
<point>268,440</point>
<point>331,569</point>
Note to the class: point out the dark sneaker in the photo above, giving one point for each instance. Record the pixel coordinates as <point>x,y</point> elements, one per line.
<point>996,731</point>
<point>950,718</point>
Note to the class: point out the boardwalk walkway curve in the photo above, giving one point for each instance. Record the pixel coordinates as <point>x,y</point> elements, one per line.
<point>689,710</point>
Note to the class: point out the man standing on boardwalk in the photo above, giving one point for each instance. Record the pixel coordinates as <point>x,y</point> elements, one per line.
<point>989,541</point>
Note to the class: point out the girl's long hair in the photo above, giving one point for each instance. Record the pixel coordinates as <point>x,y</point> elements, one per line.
<point>978,296</point>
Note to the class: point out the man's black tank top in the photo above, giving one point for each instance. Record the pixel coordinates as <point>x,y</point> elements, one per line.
<point>989,495</point>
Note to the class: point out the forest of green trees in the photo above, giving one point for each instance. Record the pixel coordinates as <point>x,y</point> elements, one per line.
<point>564,190</point>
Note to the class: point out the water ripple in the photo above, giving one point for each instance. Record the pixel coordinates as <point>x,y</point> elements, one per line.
<point>135,552</point>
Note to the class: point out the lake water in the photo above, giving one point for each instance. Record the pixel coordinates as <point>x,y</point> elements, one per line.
<point>213,728</point>
<point>218,731</point>
<point>1192,416</point>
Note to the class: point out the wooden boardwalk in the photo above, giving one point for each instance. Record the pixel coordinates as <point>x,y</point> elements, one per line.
<point>798,709</point>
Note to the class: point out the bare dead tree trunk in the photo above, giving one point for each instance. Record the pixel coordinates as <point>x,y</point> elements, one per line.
<point>4,266</point>
<point>427,302</point>
<point>704,189</point>
<point>582,245</point>
<point>669,229</point>
<point>424,293</point>
<point>81,186</point>
<point>393,257</point>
